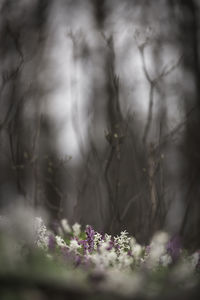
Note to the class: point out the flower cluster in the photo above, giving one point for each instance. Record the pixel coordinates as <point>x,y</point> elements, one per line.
<point>105,251</point>
<point>41,234</point>
<point>120,260</point>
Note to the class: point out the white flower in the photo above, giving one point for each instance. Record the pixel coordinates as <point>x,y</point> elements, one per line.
<point>66,226</point>
<point>123,241</point>
<point>112,256</point>
<point>124,260</point>
<point>76,229</point>
<point>107,237</point>
<point>41,234</point>
<point>132,242</point>
<point>137,250</point>
<point>74,245</point>
<point>157,248</point>
<point>160,238</point>
<point>165,260</point>
<point>96,258</point>
<point>104,246</point>
<point>60,242</point>
<point>38,224</point>
<point>97,240</point>
<point>104,258</point>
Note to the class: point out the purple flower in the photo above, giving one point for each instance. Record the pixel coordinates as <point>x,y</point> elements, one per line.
<point>111,244</point>
<point>90,232</point>
<point>174,247</point>
<point>102,235</point>
<point>90,237</point>
<point>84,243</point>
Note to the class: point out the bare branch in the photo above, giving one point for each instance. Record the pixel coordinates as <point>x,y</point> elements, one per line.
<point>150,114</point>
<point>144,66</point>
<point>153,82</point>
